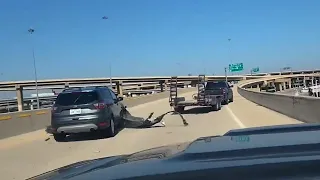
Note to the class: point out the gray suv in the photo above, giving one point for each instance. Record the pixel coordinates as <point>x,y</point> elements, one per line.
<point>88,109</point>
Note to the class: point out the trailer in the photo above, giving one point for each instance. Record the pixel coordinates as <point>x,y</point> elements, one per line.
<point>202,98</point>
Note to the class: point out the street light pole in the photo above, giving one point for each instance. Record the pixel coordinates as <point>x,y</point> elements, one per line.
<point>31,31</point>
<point>230,58</point>
<point>110,74</point>
<point>6,97</point>
<point>225,73</point>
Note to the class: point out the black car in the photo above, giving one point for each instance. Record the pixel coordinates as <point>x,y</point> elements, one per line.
<point>264,153</point>
<point>87,109</point>
<point>220,88</point>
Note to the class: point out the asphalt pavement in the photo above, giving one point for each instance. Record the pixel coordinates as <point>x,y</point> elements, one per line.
<point>33,153</point>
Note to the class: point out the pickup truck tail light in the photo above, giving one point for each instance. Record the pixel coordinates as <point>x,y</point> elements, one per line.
<point>224,91</point>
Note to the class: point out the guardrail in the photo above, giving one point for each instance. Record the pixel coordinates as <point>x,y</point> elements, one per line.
<point>16,123</point>
<point>128,89</point>
<point>11,105</point>
<point>302,108</point>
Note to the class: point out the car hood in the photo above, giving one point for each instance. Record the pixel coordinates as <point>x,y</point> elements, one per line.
<point>241,146</point>
<point>87,166</point>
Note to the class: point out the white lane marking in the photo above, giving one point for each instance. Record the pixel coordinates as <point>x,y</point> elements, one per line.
<point>235,118</point>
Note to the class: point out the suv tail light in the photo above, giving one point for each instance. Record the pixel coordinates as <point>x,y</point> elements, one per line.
<point>53,109</point>
<point>99,105</point>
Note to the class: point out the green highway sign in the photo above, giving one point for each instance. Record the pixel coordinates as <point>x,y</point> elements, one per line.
<point>255,69</point>
<point>235,67</point>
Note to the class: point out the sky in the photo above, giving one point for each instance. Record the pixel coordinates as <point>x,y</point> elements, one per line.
<point>155,37</point>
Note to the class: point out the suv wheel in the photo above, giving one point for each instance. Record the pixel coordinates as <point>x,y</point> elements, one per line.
<point>59,137</point>
<point>122,123</point>
<point>111,130</point>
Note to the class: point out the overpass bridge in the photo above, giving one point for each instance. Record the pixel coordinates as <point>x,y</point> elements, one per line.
<point>123,85</point>
<point>36,152</point>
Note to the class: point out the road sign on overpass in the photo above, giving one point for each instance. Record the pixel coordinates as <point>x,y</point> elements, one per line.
<point>256,69</point>
<point>236,67</point>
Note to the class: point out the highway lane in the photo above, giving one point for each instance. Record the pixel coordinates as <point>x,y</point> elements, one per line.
<point>28,155</point>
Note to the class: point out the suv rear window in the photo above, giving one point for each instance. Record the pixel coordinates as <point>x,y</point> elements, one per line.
<point>213,85</point>
<point>76,98</point>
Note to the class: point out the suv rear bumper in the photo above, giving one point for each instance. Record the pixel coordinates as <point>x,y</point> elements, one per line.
<point>80,124</point>
<point>79,128</point>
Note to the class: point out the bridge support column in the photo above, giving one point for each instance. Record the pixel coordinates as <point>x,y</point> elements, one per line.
<point>284,86</point>
<point>166,85</point>
<point>279,86</point>
<point>162,85</point>
<point>19,92</point>
<point>66,85</point>
<point>290,84</point>
<point>272,83</point>
<point>31,104</point>
<point>258,86</point>
<point>313,81</point>
<point>119,88</point>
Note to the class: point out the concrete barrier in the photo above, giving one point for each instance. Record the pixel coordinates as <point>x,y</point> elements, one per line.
<point>16,123</point>
<point>305,109</point>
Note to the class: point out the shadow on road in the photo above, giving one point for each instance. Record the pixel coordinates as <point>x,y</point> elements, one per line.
<point>97,135</point>
<point>197,110</point>
<point>88,136</point>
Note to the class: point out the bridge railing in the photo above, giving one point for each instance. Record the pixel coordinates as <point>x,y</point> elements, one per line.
<point>303,108</point>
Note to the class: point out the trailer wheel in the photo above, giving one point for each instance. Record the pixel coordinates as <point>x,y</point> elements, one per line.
<point>179,108</point>
<point>217,106</point>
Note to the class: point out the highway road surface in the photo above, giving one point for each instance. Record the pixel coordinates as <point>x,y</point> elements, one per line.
<point>30,154</point>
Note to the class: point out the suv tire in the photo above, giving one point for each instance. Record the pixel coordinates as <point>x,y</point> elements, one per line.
<point>111,130</point>
<point>59,137</point>
<point>122,123</point>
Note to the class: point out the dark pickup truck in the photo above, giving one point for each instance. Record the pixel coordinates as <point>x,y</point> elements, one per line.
<point>220,88</point>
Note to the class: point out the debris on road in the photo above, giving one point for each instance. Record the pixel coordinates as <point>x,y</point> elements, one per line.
<point>139,122</point>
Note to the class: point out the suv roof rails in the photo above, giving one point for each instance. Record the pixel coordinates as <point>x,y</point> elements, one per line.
<point>274,129</point>
<point>83,88</point>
